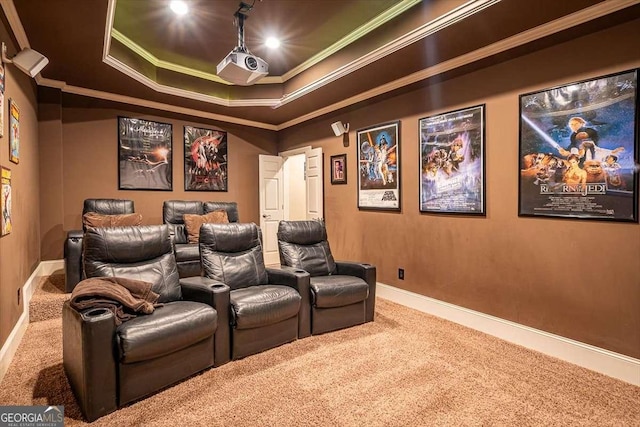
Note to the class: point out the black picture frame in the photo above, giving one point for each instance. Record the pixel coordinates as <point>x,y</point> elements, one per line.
<point>339,169</point>
<point>379,171</point>
<point>452,162</point>
<point>205,159</point>
<point>145,155</point>
<point>578,150</point>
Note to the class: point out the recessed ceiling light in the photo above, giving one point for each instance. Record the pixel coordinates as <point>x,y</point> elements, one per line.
<point>179,7</point>
<point>272,43</point>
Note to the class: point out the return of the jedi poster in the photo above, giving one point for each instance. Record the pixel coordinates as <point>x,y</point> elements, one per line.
<point>578,149</point>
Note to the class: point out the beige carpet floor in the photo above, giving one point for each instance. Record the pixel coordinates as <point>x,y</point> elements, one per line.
<point>405,369</point>
<point>48,297</point>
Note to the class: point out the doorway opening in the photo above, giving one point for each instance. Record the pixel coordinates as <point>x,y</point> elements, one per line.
<point>295,190</point>
<point>291,188</point>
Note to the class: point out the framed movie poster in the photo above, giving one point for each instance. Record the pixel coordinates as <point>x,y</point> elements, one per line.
<point>7,224</point>
<point>379,167</point>
<point>452,162</point>
<point>205,159</point>
<point>339,169</point>
<point>144,155</point>
<point>14,132</point>
<point>578,150</point>
<point>2,105</point>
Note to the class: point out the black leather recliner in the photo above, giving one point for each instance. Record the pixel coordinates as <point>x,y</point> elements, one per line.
<point>109,366</point>
<point>73,244</point>
<point>268,307</point>
<point>343,294</point>
<point>188,254</point>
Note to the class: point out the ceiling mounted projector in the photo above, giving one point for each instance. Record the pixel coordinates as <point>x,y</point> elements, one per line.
<point>240,66</point>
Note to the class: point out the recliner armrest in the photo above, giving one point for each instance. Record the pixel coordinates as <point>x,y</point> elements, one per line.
<point>88,340</point>
<point>366,272</point>
<point>216,295</point>
<point>75,234</point>
<point>73,259</point>
<point>300,281</point>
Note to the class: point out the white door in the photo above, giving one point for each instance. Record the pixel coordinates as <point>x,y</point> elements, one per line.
<point>271,204</point>
<point>313,173</point>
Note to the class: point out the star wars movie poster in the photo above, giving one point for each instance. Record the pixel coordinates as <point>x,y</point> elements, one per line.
<point>452,162</point>
<point>205,159</point>
<point>379,164</point>
<point>7,224</point>
<point>578,149</point>
<point>145,155</point>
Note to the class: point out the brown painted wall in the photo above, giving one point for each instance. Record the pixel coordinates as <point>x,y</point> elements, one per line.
<point>20,250</point>
<point>575,278</point>
<point>83,144</point>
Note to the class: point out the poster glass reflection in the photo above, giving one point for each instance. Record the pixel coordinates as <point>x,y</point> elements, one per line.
<point>144,155</point>
<point>452,162</point>
<point>578,150</point>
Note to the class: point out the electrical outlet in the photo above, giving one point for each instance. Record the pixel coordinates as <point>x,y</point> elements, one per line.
<point>19,296</point>
<point>401,273</point>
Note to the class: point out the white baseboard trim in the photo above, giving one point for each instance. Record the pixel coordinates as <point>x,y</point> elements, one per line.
<point>45,268</point>
<point>607,362</point>
<point>13,341</point>
<point>10,347</point>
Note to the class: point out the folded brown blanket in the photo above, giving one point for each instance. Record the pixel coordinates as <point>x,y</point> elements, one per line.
<point>124,297</point>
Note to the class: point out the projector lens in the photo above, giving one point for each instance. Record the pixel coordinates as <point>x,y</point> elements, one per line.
<point>251,62</point>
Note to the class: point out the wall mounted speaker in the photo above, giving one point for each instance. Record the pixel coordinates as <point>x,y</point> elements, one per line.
<point>30,62</point>
<point>27,60</point>
<point>339,128</point>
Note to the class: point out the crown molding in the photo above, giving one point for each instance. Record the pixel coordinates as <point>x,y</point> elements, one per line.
<point>456,15</point>
<point>183,93</point>
<point>108,96</point>
<point>9,9</point>
<point>467,9</point>
<point>599,10</point>
<point>357,34</point>
<point>111,32</point>
<point>560,24</point>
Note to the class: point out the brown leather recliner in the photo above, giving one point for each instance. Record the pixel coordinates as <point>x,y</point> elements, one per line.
<point>188,254</point>
<point>268,307</point>
<point>343,294</point>
<point>73,244</point>
<point>109,366</point>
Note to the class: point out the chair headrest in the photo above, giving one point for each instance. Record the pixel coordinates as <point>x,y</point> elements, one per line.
<point>302,232</point>
<point>173,210</point>
<point>231,237</point>
<point>126,244</point>
<point>108,206</point>
<point>230,207</point>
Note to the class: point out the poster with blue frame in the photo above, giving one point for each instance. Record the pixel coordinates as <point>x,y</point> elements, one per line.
<point>452,162</point>
<point>379,167</point>
<point>578,150</point>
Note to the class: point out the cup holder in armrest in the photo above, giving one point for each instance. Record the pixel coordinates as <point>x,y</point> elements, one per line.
<point>96,312</point>
<point>366,264</point>
<point>299,271</point>
<point>217,286</point>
